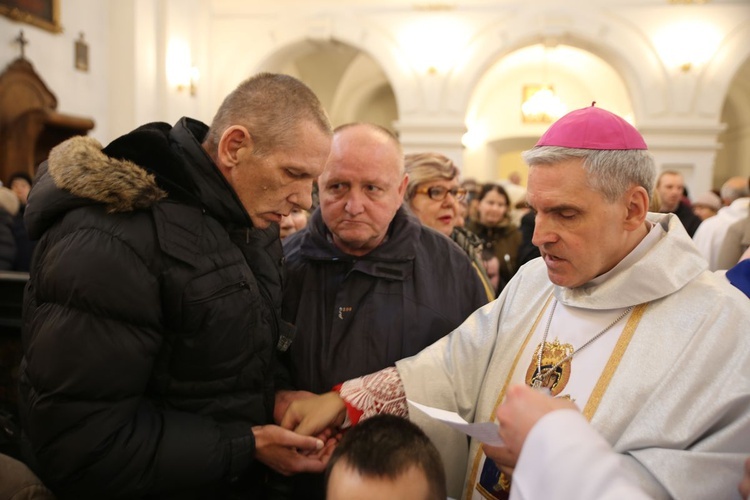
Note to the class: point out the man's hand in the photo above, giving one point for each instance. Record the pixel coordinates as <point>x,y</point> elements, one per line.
<point>522,408</point>
<point>284,399</point>
<point>289,453</point>
<point>310,416</point>
<point>745,484</point>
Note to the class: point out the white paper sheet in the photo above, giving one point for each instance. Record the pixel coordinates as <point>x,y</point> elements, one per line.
<point>486,432</point>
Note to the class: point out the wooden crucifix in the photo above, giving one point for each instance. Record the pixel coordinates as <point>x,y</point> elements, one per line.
<point>22,41</point>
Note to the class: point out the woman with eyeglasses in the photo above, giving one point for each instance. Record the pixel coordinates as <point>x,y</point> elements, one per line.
<point>495,228</point>
<point>433,195</point>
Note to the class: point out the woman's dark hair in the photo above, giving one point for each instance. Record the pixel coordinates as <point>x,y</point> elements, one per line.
<point>489,187</point>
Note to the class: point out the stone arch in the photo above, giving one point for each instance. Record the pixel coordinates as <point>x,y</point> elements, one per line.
<point>731,56</point>
<point>289,40</point>
<point>601,35</point>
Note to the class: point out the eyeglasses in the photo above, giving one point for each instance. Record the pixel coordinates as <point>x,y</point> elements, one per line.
<point>438,193</point>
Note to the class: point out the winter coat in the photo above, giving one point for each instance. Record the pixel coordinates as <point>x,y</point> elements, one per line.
<point>357,315</point>
<point>503,241</point>
<point>151,320</point>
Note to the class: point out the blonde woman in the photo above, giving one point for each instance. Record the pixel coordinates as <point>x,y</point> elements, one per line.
<point>433,195</point>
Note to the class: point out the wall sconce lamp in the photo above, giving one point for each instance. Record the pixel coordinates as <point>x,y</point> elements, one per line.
<point>687,45</point>
<point>192,82</point>
<point>181,74</point>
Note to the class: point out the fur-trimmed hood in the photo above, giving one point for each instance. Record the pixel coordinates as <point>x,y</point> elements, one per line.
<point>79,166</point>
<point>150,164</point>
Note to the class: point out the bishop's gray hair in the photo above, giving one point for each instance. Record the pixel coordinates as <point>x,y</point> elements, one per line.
<point>611,172</point>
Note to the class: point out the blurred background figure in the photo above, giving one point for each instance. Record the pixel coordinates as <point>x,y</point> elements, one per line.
<point>290,224</point>
<point>496,230</point>
<point>736,243</point>
<point>515,178</point>
<point>472,188</point>
<point>463,213</point>
<point>654,205</point>
<point>671,189</point>
<point>434,196</point>
<point>20,183</point>
<point>492,268</point>
<point>517,207</point>
<point>527,251</point>
<point>706,205</point>
<point>9,206</point>
<point>735,195</point>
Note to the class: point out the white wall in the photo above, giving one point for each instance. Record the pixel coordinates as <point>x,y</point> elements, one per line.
<point>78,93</point>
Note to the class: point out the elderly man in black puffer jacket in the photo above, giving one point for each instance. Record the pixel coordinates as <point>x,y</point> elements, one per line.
<point>152,311</point>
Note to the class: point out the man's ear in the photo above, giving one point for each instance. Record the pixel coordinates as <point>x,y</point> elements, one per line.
<point>402,187</point>
<point>636,202</point>
<point>235,142</point>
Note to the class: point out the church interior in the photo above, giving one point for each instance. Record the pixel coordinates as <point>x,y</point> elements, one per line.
<point>476,80</point>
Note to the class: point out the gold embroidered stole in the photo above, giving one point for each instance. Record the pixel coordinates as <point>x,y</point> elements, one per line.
<point>596,395</point>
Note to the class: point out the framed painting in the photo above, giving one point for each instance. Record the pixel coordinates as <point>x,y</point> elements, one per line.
<point>81,54</point>
<point>42,13</point>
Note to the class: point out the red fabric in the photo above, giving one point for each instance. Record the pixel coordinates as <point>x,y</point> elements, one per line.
<point>354,413</point>
<point>379,392</point>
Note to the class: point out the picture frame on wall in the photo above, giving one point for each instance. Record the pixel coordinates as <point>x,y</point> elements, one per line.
<point>81,54</point>
<point>44,14</point>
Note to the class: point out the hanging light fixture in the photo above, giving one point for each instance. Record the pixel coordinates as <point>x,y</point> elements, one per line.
<point>540,103</point>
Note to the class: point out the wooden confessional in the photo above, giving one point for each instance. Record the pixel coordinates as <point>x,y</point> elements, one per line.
<point>29,124</point>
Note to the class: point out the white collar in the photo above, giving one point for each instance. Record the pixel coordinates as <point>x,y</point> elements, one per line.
<point>647,243</point>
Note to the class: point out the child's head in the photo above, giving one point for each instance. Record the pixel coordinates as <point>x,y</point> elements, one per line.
<point>385,457</point>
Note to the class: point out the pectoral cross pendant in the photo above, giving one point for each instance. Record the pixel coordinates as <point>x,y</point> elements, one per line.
<point>539,384</point>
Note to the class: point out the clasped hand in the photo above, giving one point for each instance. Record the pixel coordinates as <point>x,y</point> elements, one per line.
<point>306,436</point>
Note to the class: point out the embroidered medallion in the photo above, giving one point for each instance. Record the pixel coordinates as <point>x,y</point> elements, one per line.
<point>486,481</point>
<point>555,369</point>
<point>553,353</point>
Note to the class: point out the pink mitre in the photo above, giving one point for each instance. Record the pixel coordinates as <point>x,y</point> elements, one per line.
<point>592,128</point>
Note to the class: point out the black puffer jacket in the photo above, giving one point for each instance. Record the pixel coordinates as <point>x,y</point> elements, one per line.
<point>151,320</point>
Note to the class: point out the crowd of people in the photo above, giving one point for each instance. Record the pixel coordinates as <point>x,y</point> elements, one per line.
<point>249,308</point>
